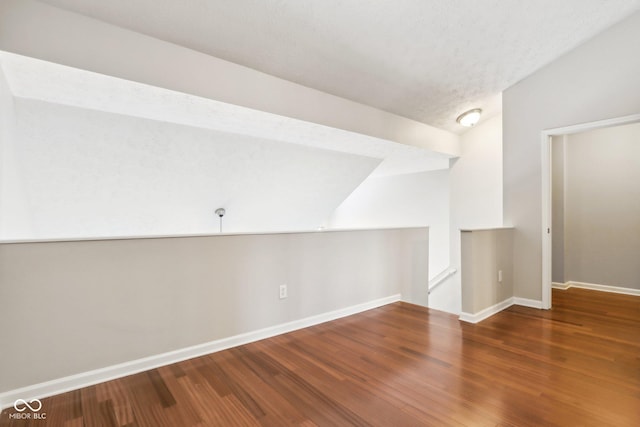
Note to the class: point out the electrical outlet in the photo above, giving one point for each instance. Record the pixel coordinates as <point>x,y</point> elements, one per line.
<point>499,275</point>
<point>283,291</point>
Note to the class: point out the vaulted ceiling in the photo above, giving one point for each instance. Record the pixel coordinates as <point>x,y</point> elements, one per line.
<point>428,60</point>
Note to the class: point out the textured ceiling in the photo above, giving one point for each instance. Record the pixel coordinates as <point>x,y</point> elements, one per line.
<point>428,60</point>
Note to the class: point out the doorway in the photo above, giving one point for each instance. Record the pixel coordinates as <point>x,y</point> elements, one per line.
<point>547,193</point>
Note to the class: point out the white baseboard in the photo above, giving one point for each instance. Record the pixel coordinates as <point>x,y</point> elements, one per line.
<point>596,287</point>
<point>85,379</point>
<point>490,311</point>
<point>526,302</point>
<point>563,286</point>
<point>487,312</point>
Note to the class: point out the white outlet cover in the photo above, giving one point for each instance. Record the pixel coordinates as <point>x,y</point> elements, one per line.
<point>283,291</point>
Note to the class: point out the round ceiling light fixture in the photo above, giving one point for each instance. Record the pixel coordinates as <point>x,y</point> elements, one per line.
<point>469,118</point>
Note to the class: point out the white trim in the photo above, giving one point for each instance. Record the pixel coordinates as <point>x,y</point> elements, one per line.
<point>561,286</point>
<point>502,227</point>
<point>597,287</point>
<point>546,189</point>
<point>599,124</point>
<point>526,302</point>
<point>496,308</point>
<point>85,379</point>
<point>546,221</point>
<point>487,312</point>
<point>440,278</point>
<point>179,236</point>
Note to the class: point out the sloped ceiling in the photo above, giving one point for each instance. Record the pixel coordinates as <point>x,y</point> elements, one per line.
<point>95,156</point>
<point>428,60</point>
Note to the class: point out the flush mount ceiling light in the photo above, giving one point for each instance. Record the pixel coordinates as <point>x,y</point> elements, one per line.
<point>469,118</point>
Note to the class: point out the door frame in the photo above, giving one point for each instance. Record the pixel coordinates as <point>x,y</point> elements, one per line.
<point>547,230</point>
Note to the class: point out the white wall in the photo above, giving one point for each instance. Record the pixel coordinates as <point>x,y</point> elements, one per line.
<point>293,194</point>
<point>408,200</point>
<point>80,306</point>
<point>41,31</point>
<point>6,120</point>
<point>88,173</point>
<point>476,177</point>
<point>13,201</point>
<point>596,81</point>
<point>602,207</point>
<point>475,201</point>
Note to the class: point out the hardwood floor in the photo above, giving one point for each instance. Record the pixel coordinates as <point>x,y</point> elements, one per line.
<point>399,365</point>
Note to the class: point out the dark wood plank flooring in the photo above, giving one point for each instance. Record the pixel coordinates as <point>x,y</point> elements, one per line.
<point>399,365</point>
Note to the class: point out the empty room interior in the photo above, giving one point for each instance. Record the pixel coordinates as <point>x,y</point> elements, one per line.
<point>319,213</point>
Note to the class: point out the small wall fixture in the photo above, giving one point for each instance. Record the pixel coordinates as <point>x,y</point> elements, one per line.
<point>220,212</point>
<point>469,118</point>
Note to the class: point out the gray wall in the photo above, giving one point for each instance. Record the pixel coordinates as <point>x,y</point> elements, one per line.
<point>484,253</point>
<point>557,204</point>
<point>602,207</point>
<point>596,81</point>
<point>70,307</point>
